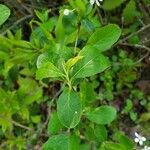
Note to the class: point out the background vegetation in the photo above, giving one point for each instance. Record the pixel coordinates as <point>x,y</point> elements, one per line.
<point>76,81</point>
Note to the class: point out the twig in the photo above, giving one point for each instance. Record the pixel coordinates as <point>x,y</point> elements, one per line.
<point>146,41</point>
<point>16,23</point>
<point>40,131</point>
<point>134,33</point>
<point>49,108</point>
<point>100,16</point>
<point>136,46</point>
<point>16,123</point>
<point>141,59</point>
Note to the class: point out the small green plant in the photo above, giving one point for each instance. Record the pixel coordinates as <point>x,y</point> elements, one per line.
<point>84,61</point>
<point>72,85</point>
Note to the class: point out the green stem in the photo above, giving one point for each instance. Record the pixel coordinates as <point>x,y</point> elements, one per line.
<point>77,37</point>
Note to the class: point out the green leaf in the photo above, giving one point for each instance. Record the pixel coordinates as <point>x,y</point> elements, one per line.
<point>5,124</point>
<point>104,37</point>
<point>3,55</point>
<point>18,34</point>
<point>21,44</point>
<point>102,115</point>
<point>86,146</point>
<point>44,58</point>
<point>62,142</point>
<point>74,142</point>
<point>92,63</point>
<point>112,146</point>
<point>57,142</point>
<point>109,4</point>
<point>4,13</point>
<point>48,70</point>
<point>89,133</point>
<point>36,119</point>
<point>129,105</point>
<point>145,117</point>
<point>87,25</point>
<point>81,7</point>
<point>43,16</point>
<point>69,108</point>
<point>87,93</point>
<point>129,12</point>
<point>42,34</point>
<point>54,124</point>
<point>125,141</point>
<point>133,115</point>
<point>59,30</point>
<point>100,133</point>
<point>72,61</point>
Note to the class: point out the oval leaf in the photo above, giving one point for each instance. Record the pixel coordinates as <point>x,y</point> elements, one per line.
<point>102,115</point>
<point>4,13</point>
<point>105,37</point>
<point>92,63</point>
<point>69,108</point>
<point>56,142</point>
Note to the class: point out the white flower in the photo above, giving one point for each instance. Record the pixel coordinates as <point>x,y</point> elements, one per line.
<point>95,1</point>
<point>146,148</point>
<point>66,12</point>
<point>139,139</point>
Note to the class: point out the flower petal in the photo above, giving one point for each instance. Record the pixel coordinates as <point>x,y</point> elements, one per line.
<point>141,142</point>
<point>97,3</point>
<point>143,138</point>
<point>66,12</point>
<point>92,2</point>
<point>136,134</point>
<point>136,140</point>
<point>146,148</point>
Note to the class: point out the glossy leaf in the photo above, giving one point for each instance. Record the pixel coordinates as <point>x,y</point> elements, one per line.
<point>92,63</point>
<point>104,37</point>
<point>69,108</point>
